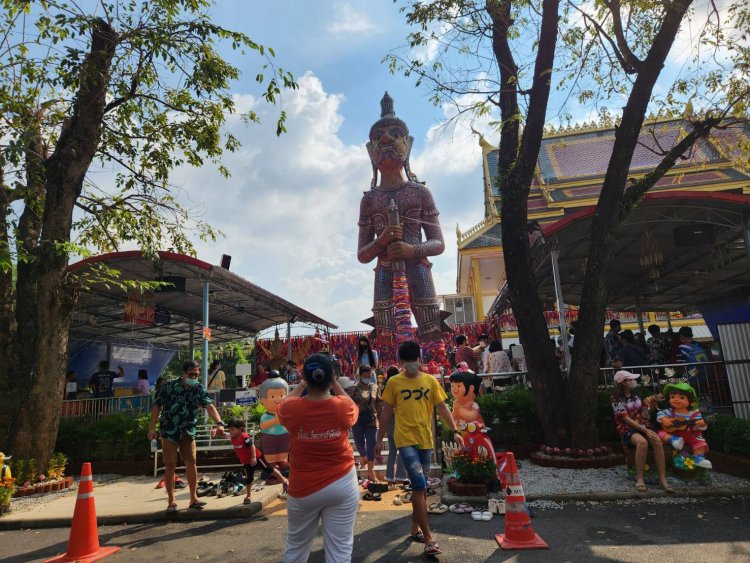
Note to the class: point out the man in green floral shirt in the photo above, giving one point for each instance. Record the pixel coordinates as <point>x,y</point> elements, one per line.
<point>178,402</point>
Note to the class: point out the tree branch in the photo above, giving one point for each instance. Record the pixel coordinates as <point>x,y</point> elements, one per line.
<point>628,56</point>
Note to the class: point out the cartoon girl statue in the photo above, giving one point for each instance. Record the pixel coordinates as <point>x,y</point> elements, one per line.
<point>465,390</point>
<point>274,438</point>
<point>682,423</point>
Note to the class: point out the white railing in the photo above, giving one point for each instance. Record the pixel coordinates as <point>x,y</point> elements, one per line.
<point>89,411</point>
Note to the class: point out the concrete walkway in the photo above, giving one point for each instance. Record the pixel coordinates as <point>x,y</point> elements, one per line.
<point>134,499</point>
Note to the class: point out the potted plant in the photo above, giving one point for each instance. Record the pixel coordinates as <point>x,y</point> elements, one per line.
<point>474,475</point>
<point>7,490</point>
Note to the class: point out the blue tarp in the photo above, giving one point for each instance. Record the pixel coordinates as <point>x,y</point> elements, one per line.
<point>84,357</point>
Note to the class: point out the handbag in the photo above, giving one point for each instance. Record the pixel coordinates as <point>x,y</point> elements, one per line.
<point>365,415</point>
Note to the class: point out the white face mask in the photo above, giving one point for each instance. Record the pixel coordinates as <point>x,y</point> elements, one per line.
<point>412,368</point>
<point>631,383</point>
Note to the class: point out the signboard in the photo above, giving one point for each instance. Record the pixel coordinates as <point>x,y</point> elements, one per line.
<point>246,397</point>
<point>139,309</point>
<point>243,373</point>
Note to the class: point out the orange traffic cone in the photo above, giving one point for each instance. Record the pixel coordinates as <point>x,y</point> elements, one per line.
<point>83,544</point>
<point>519,533</point>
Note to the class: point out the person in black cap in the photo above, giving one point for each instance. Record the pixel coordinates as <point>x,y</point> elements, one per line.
<point>323,481</point>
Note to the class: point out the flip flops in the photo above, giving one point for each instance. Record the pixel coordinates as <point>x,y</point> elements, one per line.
<point>437,508</point>
<point>247,500</point>
<point>397,500</point>
<point>460,508</point>
<point>476,514</point>
<point>406,497</point>
<point>172,507</point>
<point>486,515</point>
<point>434,483</point>
<point>496,506</point>
<point>197,505</point>
<point>372,496</point>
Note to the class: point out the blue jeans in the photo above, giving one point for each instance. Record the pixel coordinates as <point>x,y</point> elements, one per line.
<point>417,464</point>
<point>393,456</point>
<point>364,439</point>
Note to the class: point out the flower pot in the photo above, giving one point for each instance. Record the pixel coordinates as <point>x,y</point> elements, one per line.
<point>458,488</point>
<point>20,492</point>
<point>476,489</point>
<point>68,479</point>
<point>55,485</point>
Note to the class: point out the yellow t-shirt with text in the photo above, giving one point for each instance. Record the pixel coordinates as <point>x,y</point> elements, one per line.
<point>414,400</point>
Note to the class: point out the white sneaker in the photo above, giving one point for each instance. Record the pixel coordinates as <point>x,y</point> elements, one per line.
<point>677,443</point>
<point>705,464</point>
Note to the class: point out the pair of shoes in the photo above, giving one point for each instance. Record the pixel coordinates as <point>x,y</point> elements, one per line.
<point>372,496</point>
<point>701,461</point>
<point>418,537</point>
<point>397,500</point>
<point>432,549</point>
<point>496,506</point>
<point>377,487</point>
<point>434,483</point>
<point>460,508</point>
<point>197,505</point>
<point>437,508</point>
<point>481,515</point>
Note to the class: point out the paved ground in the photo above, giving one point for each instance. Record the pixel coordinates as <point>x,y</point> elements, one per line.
<point>693,530</point>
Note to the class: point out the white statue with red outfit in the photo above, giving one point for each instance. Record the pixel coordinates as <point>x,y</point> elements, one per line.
<point>465,387</point>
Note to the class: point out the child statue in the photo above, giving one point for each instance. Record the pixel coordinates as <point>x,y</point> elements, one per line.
<point>465,390</point>
<point>274,438</point>
<point>682,423</point>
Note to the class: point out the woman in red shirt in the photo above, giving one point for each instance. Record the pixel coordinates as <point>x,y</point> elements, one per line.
<point>322,481</point>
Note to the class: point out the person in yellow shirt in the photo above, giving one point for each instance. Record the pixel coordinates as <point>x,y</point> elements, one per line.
<point>413,396</point>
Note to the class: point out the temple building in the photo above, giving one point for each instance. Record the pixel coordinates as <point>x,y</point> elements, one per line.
<point>569,175</point>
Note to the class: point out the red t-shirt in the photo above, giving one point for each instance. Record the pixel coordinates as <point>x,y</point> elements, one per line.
<point>320,452</point>
<point>242,448</point>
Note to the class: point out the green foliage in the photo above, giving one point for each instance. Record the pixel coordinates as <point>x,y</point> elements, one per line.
<point>483,469</point>
<point>56,465</point>
<point>511,416</point>
<point>117,436</point>
<point>729,435</point>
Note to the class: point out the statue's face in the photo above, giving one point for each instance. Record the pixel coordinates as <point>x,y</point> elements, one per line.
<point>389,144</point>
<point>679,401</point>
<point>272,400</point>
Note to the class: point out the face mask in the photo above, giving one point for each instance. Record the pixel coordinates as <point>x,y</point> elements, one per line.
<point>632,383</point>
<point>412,368</point>
<point>191,382</point>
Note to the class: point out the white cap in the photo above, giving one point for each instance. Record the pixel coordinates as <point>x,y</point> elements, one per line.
<point>345,382</point>
<point>622,375</point>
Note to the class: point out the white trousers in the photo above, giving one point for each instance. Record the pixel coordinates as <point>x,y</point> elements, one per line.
<point>336,504</point>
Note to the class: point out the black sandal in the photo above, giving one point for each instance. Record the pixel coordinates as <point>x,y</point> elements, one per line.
<point>197,505</point>
<point>418,537</point>
<point>432,549</point>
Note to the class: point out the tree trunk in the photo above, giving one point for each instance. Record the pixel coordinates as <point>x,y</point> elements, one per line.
<point>35,429</point>
<point>610,212</point>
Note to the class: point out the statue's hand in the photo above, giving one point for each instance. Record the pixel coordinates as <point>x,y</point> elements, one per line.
<point>400,251</point>
<point>390,235</point>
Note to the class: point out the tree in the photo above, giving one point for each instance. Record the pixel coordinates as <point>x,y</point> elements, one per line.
<point>136,89</point>
<point>504,57</point>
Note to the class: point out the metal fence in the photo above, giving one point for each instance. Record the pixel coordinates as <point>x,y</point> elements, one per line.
<point>89,411</point>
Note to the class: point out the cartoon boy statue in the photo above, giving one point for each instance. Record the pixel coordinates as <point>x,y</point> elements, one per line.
<point>682,423</point>
<point>274,438</point>
<point>465,390</point>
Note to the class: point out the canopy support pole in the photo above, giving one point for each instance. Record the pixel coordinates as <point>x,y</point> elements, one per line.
<point>289,340</point>
<point>204,359</point>
<point>554,256</point>
<point>639,312</point>
<point>191,346</point>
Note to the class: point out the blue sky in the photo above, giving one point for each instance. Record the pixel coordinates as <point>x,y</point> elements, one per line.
<point>290,209</point>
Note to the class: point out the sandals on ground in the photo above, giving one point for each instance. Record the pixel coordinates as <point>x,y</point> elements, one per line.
<point>197,505</point>
<point>372,496</point>
<point>397,500</point>
<point>437,508</point>
<point>406,497</point>
<point>432,549</point>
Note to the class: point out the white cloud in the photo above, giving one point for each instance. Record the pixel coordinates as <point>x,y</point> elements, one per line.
<point>290,209</point>
<point>348,20</point>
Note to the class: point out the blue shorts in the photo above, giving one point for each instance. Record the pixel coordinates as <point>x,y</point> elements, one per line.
<point>417,463</point>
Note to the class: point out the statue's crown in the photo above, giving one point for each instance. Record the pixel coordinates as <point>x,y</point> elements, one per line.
<point>386,106</point>
<point>388,115</point>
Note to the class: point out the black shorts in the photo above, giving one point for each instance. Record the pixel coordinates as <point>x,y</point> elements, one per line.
<point>261,464</point>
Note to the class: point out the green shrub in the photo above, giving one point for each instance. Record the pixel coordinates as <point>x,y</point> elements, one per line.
<point>729,435</point>
<point>114,437</point>
<point>511,416</point>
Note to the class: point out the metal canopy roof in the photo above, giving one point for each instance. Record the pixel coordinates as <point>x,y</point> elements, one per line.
<point>237,308</point>
<point>689,275</point>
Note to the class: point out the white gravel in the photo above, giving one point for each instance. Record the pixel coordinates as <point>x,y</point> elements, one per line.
<point>539,480</point>
<point>20,504</point>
